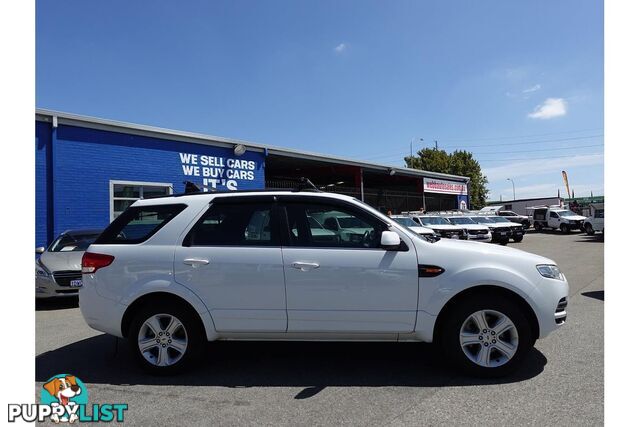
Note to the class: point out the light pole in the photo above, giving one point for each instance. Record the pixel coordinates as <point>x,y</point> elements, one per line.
<point>411,149</point>
<point>514,187</point>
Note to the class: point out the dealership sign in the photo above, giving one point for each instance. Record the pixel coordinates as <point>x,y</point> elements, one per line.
<point>443,186</point>
<point>218,172</point>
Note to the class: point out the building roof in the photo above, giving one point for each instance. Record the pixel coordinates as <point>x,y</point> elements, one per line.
<point>58,117</point>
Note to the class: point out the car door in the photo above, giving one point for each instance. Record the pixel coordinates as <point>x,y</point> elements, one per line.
<point>346,283</point>
<point>554,219</point>
<point>232,259</point>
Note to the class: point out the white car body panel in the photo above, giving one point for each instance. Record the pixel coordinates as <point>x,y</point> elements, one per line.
<point>354,294</point>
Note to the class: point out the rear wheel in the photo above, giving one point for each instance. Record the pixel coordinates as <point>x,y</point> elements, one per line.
<point>537,226</point>
<point>518,239</point>
<point>166,338</point>
<point>486,336</point>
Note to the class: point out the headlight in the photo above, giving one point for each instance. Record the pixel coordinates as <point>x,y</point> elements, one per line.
<point>41,270</point>
<point>550,271</point>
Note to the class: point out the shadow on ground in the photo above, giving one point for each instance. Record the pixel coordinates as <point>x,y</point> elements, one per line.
<point>596,238</point>
<point>594,294</point>
<point>312,365</point>
<point>48,304</point>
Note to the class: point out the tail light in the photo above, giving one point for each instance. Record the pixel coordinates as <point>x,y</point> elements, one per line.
<point>92,262</point>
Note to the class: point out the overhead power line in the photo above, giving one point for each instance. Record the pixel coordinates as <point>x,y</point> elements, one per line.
<point>532,142</point>
<point>491,138</point>
<point>540,149</point>
<point>537,158</point>
<point>398,153</point>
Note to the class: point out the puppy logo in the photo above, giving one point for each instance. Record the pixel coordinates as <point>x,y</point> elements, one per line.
<point>64,393</point>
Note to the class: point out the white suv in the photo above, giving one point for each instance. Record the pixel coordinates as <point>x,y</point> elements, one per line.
<point>171,273</point>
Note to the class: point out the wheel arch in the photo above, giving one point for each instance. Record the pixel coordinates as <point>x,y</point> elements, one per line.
<point>162,296</point>
<point>484,290</point>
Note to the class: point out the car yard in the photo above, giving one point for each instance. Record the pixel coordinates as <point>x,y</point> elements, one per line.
<point>354,383</point>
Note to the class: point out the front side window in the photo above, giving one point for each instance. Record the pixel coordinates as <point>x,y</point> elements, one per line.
<point>235,224</point>
<point>553,215</point>
<point>124,194</point>
<point>318,225</point>
<point>137,224</point>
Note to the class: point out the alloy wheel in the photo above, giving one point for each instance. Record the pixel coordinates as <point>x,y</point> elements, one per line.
<point>489,338</point>
<point>162,340</point>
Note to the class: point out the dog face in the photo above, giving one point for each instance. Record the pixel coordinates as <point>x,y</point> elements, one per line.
<point>63,388</point>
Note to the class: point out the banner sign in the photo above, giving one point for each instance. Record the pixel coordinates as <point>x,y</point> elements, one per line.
<point>443,186</point>
<point>220,172</point>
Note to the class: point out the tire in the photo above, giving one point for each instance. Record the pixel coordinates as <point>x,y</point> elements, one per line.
<point>154,322</point>
<point>564,229</point>
<point>537,226</point>
<point>518,239</point>
<point>589,229</point>
<point>526,225</point>
<point>517,339</point>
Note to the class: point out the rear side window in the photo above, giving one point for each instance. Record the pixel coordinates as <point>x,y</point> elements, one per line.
<point>235,224</point>
<point>137,224</point>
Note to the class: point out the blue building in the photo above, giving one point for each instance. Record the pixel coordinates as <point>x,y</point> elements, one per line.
<point>89,170</point>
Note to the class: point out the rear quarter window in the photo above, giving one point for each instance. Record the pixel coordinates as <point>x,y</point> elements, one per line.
<point>139,223</point>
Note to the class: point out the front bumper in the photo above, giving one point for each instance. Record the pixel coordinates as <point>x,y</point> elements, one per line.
<point>46,287</point>
<point>480,237</point>
<point>551,305</point>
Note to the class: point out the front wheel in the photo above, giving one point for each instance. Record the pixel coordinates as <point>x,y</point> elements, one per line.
<point>487,336</point>
<point>564,229</point>
<point>518,239</point>
<point>589,229</point>
<point>166,338</point>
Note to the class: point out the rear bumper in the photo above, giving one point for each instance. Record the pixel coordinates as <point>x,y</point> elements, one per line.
<point>100,313</point>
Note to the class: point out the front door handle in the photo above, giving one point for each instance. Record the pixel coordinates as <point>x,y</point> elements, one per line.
<point>305,266</point>
<point>195,262</point>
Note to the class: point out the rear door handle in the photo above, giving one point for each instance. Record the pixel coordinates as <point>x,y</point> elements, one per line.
<point>305,266</point>
<point>194,262</point>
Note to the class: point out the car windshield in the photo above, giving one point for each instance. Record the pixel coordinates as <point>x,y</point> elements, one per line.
<point>565,213</point>
<point>462,220</point>
<point>434,220</point>
<point>500,219</point>
<point>410,223</point>
<point>407,222</point>
<point>484,219</point>
<point>351,222</point>
<point>73,242</point>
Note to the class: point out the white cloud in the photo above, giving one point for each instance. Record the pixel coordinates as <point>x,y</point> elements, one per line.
<point>533,88</point>
<point>340,48</point>
<point>537,167</point>
<point>552,107</point>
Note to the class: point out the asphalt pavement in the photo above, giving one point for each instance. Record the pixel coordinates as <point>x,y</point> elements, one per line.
<point>280,383</point>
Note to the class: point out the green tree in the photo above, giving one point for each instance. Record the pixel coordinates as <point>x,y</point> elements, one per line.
<point>456,163</point>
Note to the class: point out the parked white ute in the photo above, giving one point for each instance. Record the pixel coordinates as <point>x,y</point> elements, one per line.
<point>171,273</point>
<point>556,218</point>
<point>413,226</point>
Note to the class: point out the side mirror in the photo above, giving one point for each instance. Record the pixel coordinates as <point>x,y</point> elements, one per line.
<point>390,240</point>
<point>40,250</point>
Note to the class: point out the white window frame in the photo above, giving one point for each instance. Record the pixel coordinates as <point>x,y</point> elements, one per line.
<point>113,183</point>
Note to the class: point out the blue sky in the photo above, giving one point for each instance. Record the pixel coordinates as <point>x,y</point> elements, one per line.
<point>520,84</point>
